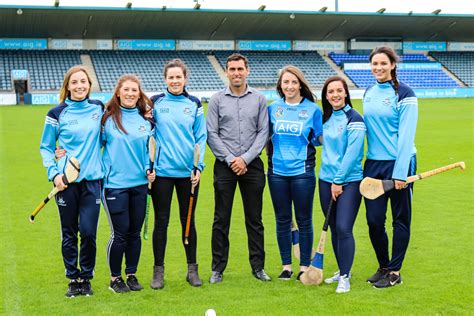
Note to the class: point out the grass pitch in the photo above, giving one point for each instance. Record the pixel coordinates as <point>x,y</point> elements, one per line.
<point>437,271</point>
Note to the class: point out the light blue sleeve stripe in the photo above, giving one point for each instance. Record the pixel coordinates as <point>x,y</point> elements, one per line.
<point>406,137</point>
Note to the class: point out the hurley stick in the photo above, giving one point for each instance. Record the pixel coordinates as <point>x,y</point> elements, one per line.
<point>151,155</point>
<point>71,173</point>
<point>191,197</point>
<point>314,274</point>
<point>373,188</point>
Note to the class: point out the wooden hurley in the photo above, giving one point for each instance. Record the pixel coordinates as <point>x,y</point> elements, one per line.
<point>314,274</point>
<point>71,173</point>
<point>191,197</point>
<point>373,188</point>
<point>151,156</point>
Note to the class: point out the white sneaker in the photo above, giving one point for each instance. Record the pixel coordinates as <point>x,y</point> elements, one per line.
<point>332,279</point>
<point>344,285</point>
<point>335,278</point>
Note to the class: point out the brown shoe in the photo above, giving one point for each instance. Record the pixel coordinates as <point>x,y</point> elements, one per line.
<point>158,277</point>
<point>193,276</point>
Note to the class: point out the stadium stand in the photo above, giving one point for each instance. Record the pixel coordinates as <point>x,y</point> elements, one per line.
<point>46,67</point>
<point>340,58</point>
<point>148,65</point>
<point>265,66</point>
<point>460,64</point>
<point>415,78</point>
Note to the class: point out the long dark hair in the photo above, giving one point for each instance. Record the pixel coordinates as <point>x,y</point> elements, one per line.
<point>327,107</point>
<point>113,106</point>
<point>393,57</point>
<point>305,90</point>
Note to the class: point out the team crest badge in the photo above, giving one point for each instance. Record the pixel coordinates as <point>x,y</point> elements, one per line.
<point>142,129</point>
<point>187,111</point>
<point>386,101</point>
<point>279,112</point>
<point>303,115</point>
<point>61,201</point>
<point>95,116</point>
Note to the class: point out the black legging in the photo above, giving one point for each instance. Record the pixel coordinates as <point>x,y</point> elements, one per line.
<point>162,193</point>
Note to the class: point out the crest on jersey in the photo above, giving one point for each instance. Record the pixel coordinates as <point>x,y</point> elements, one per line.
<point>95,116</point>
<point>303,115</point>
<point>386,101</point>
<point>142,129</point>
<point>187,111</point>
<point>279,112</point>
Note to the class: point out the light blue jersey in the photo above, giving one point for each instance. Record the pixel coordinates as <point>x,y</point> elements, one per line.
<point>391,120</point>
<point>343,148</point>
<point>292,128</point>
<point>126,155</point>
<point>75,127</point>
<point>180,124</point>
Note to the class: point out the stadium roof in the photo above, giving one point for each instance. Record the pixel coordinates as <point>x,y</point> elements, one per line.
<point>152,23</point>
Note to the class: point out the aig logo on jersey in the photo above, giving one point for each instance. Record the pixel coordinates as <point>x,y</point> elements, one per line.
<point>288,128</point>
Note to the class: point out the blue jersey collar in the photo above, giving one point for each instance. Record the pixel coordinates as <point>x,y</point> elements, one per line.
<point>129,110</point>
<point>174,96</point>
<point>385,84</point>
<point>81,103</point>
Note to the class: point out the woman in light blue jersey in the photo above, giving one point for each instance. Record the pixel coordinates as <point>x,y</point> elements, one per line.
<point>180,126</point>
<point>125,134</point>
<point>391,115</point>
<point>75,126</point>
<point>295,120</point>
<point>340,173</point>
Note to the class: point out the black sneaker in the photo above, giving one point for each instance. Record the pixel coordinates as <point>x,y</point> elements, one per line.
<point>74,288</point>
<point>118,286</point>
<point>285,275</point>
<point>86,288</point>
<point>299,275</point>
<point>377,276</point>
<point>133,284</point>
<point>389,280</point>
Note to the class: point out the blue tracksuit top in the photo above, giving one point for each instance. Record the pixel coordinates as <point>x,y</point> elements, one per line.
<point>75,126</point>
<point>292,129</point>
<point>180,124</point>
<point>343,147</point>
<point>126,155</point>
<point>391,125</point>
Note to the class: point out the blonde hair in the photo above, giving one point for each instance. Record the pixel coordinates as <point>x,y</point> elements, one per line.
<point>64,92</point>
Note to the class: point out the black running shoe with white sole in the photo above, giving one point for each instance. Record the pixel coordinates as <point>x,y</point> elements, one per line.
<point>389,280</point>
<point>133,284</point>
<point>74,288</point>
<point>86,287</point>
<point>119,286</point>
<point>381,272</point>
<point>285,275</point>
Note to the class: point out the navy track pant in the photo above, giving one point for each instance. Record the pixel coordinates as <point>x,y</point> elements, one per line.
<point>125,209</point>
<point>400,201</point>
<point>79,208</point>
<point>341,221</point>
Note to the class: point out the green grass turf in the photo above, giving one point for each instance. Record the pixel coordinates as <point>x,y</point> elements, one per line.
<point>437,271</point>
